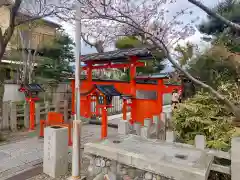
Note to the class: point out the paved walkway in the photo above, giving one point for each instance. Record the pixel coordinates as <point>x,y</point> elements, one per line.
<point>27,154</point>
<point>19,156</point>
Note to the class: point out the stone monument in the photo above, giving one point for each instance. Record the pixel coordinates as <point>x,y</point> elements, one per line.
<point>55,160</point>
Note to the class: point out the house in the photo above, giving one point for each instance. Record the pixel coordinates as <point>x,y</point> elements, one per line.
<point>12,63</point>
<point>25,39</point>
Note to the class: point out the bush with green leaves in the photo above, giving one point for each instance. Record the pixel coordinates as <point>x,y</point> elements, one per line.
<point>206,115</point>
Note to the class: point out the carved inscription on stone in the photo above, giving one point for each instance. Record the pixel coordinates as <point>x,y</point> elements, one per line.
<point>142,94</point>
<point>49,148</point>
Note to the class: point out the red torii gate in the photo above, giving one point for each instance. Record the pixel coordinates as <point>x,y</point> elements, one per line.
<point>146,98</point>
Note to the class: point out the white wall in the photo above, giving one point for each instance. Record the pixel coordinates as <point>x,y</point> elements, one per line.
<point>11,93</point>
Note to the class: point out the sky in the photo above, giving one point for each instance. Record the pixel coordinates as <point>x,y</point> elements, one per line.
<point>195,39</point>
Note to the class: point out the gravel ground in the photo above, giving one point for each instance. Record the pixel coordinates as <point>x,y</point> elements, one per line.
<point>43,176</point>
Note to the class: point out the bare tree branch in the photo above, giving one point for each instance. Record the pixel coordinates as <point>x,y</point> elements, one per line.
<point>98,45</point>
<point>85,39</point>
<point>215,15</point>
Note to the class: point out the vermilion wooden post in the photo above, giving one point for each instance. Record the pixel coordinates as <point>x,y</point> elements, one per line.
<point>89,73</point>
<point>42,124</point>
<point>97,107</point>
<point>124,109</point>
<point>160,93</point>
<point>89,80</point>
<point>32,114</point>
<point>73,96</point>
<point>69,134</point>
<point>89,114</point>
<point>104,122</point>
<point>104,119</point>
<point>133,87</point>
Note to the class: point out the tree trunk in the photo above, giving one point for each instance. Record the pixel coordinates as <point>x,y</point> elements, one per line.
<point>29,66</point>
<point>2,77</point>
<point>5,38</point>
<point>215,15</point>
<point>1,103</point>
<point>2,50</point>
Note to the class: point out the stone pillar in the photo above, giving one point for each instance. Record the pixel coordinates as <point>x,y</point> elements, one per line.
<point>157,123</point>
<point>123,127</point>
<point>13,117</point>
<point>26,115</point>
<point>137,128</point>
<point>55,161</point>
<point>145,130</point>
<point>200,142</point>
<point>65,113</point>
<point>235,158</point>
<point>147,122</point>
<point>162,131</point>
<point>170,136</point>
<point>47,109</point>
<point>169,121</point>
<point>37,113</point>
<point>6,111</point>
<point>57,106</point>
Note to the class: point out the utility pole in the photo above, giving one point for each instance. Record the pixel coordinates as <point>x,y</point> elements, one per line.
<point>76,157</point>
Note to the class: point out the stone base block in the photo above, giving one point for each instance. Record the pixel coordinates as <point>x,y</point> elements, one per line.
<point>137,128</point>
<point>170,136</point>
<point>123,127</point>
<point>145,132</point>
<point>147,122</point>
<point>169,160</point>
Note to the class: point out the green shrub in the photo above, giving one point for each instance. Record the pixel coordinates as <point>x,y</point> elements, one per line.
<point>204,114</point>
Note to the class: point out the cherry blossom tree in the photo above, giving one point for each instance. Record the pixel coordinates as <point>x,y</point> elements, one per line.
<point>148,15</point>
<point>152,22</point>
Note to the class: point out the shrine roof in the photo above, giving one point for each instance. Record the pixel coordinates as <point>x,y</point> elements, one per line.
<point>118,55</point>
<point>33,87</point>
<point>107,90</point>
